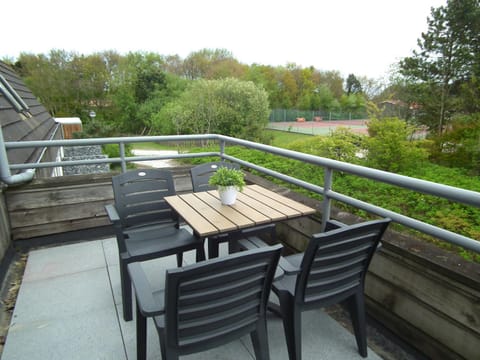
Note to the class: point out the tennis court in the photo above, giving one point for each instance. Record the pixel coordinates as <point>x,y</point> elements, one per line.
<point>320,127</point>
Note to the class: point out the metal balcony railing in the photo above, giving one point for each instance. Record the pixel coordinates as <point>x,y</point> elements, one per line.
<point>453,194</point>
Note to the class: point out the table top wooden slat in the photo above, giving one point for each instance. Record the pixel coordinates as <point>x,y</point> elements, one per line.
<point>247,211</point>
<point>229,212</point>
<point>201,225</point>
<point>211,215</point>
<point>266,210</point>
<point>254,206</point>
<point>274,204</point>
<point>304,209</point>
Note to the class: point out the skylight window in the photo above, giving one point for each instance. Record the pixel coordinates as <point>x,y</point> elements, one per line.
<point>12,96</point>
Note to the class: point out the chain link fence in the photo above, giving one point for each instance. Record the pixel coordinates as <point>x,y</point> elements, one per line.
<point>284,115</point>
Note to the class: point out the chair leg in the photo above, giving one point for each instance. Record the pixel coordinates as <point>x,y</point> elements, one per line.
<point>259,339</point>
<point>233,246</point>
<point>212,248</point>
<point>167,354</point>
<point>180,259</point>
<point>200,253</point>
<point>292,326</point>
<point>126,288</point>
<point>141,323</point>
<point>273,235</point>
<point>356,307</point>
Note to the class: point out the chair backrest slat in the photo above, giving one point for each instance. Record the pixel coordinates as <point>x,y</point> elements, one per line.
<point>200,174</point>
<point>335,262</point>
<point>139,196</point>
<point>219,299</point>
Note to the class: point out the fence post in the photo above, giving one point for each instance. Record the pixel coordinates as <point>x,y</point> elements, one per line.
<point>122,157</point>
<point>222,149</point>
<point>326,203</point>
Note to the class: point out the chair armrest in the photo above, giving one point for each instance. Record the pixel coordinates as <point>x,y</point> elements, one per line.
<point>149,303</point>
<point>287,267</point>
<point>112,213</point>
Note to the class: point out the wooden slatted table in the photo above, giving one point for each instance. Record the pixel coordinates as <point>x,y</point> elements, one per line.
<point>254,206</point>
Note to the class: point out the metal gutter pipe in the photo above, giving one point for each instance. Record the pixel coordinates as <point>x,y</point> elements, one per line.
<point>5,174</point>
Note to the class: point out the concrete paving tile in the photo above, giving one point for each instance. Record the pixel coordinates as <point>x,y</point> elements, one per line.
<point>56,261</point>
<point>129,337</point>
<point>86,335</point>
<point>68,312</point>
<point>233,350</point>
<point>63,296</point>
<point>110,250</point>
<point>155,270</point>
<point>322,338</point>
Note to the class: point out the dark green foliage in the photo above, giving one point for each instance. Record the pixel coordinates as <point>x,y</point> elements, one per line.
<point>342,145</point>
<point>227,106</point>
<point>390,146</point>
<point>353,85</point>
<point>458,218</point>
<point>446,66</point>
<point>113,151</point>
<point>460,147</point>
<point>225,177</point>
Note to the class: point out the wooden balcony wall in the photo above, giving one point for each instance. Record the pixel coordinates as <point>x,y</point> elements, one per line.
<point>428,297</point>
<point>48,206</point>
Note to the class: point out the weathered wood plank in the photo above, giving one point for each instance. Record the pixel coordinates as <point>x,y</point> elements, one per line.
<point>425,318</point>
<point>452,299</point>
<point>40,198</point>
<point>48,215</point>
<point>203,226</point>
<point>28,232</point>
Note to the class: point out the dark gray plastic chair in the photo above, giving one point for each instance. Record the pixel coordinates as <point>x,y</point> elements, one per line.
<point>208,304</point>
<point>200,175</point>
<point>331,270</point>
<point>144,224</point>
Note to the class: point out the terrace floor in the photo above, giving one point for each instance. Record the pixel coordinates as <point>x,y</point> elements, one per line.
<point>69,307</point>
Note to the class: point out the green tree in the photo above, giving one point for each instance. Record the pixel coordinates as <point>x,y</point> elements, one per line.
<point>448,56</point>
<point>342,144</point>
<point>212,64</point>
<point>264,76</point>
<point>460,147</point>
<point>391,147</point>
<point>325,99</point>
<point>353,85</point>
<point>227,106</point>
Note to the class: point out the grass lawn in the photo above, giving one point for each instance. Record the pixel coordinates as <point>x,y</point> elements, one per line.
<point>283,138</point>
<point>280,139</point>
<point>151,146</point>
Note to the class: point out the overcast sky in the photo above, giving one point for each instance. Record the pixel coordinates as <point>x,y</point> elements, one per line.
<point>363,37</point>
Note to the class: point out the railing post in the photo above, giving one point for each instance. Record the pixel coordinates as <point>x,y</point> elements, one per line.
<point>326,204</point>
<point>222,148</point>
<point>122,157</point>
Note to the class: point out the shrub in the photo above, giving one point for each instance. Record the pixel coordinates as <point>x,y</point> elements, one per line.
<point>390,146</point>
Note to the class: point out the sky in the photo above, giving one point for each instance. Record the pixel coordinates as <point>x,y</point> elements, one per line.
<point>363,37</point>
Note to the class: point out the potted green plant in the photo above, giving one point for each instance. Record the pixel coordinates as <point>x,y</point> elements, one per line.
<point>228,182</point>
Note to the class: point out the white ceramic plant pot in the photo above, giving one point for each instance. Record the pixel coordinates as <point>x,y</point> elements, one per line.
<point>228,195</point>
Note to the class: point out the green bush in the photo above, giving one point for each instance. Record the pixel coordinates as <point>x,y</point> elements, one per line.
<point>113,151</point>
<point>390,146</point>
<point>342,145</point>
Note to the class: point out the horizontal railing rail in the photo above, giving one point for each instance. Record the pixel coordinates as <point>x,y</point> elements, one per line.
<point>451,193</point>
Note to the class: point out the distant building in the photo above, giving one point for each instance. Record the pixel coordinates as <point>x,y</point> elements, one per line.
<point>394,108</point>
